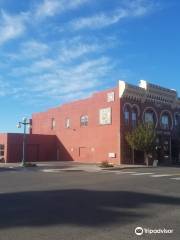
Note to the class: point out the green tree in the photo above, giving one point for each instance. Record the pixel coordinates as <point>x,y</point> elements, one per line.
<point>142,138</point>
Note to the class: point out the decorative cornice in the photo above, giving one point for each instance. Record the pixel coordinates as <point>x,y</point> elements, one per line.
<point>150,93</point>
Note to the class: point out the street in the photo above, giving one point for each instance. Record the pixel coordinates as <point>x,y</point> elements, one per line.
<point>43,203</point>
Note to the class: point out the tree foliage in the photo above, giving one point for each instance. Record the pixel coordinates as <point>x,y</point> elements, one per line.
<point>142,138</point>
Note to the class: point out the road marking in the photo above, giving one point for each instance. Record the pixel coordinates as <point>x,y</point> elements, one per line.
<point>176,178</point>
<point>139,174</point>
<point>106,171</point>
<point>161,175</point>
<point>51,170</point>
<point>124,172</point>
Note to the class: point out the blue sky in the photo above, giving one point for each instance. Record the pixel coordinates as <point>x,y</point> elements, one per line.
<point>55,51</point>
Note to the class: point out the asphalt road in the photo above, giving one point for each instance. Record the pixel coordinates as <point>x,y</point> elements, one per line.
<point>79,205</point>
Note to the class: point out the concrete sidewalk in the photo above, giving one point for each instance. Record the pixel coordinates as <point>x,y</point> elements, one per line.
<point>69,166</point>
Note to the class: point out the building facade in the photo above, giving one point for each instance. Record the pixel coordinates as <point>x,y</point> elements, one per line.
<point>38,147</point>
<point>93,130</point>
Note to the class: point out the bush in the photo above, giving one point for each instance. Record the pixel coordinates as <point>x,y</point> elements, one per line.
<point>29,164</point>
<point>106,164</point>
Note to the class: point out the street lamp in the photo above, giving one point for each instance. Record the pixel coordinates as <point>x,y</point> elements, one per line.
<point>25,123</point>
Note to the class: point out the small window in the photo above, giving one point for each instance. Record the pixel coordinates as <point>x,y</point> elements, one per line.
<point>67,123</point>
<point>149,117</point>
<point>53,123</point>
<point>84,120</point>
<point>134,118</point>
<point>110,97</point>
<point>165,121</point>
<point>126,115</point>
<point>1,152</point>
<point>177,119</point>
<point>1,147</point>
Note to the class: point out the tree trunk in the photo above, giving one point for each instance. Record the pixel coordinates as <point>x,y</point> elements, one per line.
<point>146,158</point>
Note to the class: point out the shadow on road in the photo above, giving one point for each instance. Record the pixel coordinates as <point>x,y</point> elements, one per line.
<point>77,207</point>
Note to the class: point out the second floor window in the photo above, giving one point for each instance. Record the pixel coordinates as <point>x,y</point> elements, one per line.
<point>165,121</point>
<point>84,120</point>
<point>1,151</point>
<point>177,119</point>
<point>53,123</point>
<point>126,115</point>
<point>134,118</point>
<point>67,123</point>
<point>149,117</point>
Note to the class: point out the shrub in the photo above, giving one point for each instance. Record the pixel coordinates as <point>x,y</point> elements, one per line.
<point>29,164</point>
<point>106,164</point>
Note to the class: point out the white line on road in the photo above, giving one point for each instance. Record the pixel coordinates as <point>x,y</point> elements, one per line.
<point>139,174</point>
<point>124,172</point>
<point>176,178</point>
<point>51,170</point>
<point>161,175</point>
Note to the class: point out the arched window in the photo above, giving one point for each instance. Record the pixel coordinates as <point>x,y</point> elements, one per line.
<point>150,117</point>
<point>166,121</point>
<point>84,120</point>
<point>177,119</point>
<point>134,117</point>
<point>126,115</point>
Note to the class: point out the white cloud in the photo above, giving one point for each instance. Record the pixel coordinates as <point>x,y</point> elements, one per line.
<point>72,80</point>
<point>30,49</point>
<point>69,53</point>
<point>49,8</point>
<point>73,67</point>
<point>37,67</point>
<point>33,49</point>
<point>44,64</point>
<point>77,47</point>
<point>134,8</point>
<point>63,69</point>
<point>11,26</point>
<point>7,88</point>
<point>64,54</point>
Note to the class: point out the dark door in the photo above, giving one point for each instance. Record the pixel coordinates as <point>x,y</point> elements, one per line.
<point>32,152</point>
<point>15,153</point>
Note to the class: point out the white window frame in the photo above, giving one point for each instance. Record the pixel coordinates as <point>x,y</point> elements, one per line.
<point>105,116</point>
<point>84,121</point>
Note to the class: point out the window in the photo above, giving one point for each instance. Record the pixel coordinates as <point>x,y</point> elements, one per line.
<point>165,121</point>
<point>134,118</point>
<point>126,115</point>
<point>1,151</point>
<point>110,97</point>
<point>67,123</point>
<point>53,123</point>
<point>105,116</point>
<point>84,120</point>
<point>177,119</point>
<point>150,117</point>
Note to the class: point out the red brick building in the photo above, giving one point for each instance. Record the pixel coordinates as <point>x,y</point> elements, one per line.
<point>94,129</point>
<point>38,147</point>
